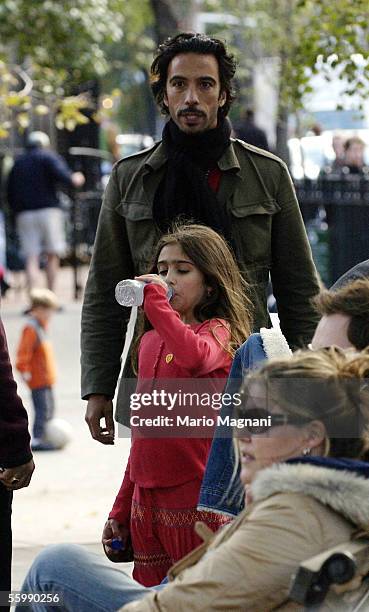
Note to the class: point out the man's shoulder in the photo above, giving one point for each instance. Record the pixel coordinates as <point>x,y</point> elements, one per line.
<point>49,156</point>
<point>39,156</point>
<point>256,152</point>
<point>136,159</point>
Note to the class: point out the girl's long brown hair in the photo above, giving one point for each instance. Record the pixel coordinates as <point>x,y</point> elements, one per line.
<point>229,297</point>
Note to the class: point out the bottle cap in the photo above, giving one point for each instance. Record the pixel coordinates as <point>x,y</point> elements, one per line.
<point>116,544</point>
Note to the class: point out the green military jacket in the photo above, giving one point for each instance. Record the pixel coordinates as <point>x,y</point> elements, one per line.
<point>268,233</point>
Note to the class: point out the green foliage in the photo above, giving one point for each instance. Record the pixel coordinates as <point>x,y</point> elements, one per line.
<point>67,34</point>
<point>307,36</point>
<point>62,44</point>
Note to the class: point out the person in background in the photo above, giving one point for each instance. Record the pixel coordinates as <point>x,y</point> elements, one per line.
<point>32,196</point>
<point>249,132</point>
<point>354,155</point>
<point>36,363</point>
<point>338,146</point>
<point>306,480</point>
<point>316,129</point>
<point>16,463</point>
<point>344,317</point>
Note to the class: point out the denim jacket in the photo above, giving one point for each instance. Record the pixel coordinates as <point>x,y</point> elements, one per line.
<point>221,491</point>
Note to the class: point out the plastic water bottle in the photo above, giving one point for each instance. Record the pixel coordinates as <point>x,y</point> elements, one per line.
<point>131,293</point>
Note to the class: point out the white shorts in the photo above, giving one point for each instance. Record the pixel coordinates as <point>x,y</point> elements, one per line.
<point>41,231</point>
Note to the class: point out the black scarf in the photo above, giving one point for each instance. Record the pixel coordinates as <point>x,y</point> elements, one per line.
<point>184,192</point>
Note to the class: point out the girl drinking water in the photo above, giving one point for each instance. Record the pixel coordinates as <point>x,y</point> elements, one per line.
<point>191,337</point>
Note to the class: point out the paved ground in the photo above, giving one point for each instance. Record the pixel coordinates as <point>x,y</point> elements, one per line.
<point>72,490</point>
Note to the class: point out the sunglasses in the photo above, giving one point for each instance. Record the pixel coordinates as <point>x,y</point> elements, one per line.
<point>257,421</point>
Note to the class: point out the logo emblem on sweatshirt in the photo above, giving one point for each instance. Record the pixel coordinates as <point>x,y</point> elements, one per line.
<point>169,357</point>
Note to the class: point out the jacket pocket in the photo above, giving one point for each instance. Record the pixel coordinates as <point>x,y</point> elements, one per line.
<point>141,232</point>
<point>135,210</point>
<point>252,231</point>
<point>259,207</point>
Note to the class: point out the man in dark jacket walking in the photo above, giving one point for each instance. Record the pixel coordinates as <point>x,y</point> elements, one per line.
<point>16,463</point>
<point>33,198</point>
<point>196,172</point>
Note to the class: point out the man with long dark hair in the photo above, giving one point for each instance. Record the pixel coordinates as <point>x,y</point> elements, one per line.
<point>197,172</point>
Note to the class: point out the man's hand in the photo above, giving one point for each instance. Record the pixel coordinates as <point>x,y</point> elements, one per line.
<point>17,477</point>
<point>100,407</point>
<point>78,179</point>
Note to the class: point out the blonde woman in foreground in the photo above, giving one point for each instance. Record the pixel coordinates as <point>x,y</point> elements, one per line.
<point>307,489</point>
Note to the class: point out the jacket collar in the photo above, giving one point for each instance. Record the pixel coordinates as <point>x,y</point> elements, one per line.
<point>344,491</point>
<point>157,158</point>
<point>228,161</point>
<point>274,343</point>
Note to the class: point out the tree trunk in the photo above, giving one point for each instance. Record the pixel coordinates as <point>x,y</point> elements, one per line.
<point>286,8</point>
<point>166,22</point>
<point>170,17</point>
<point>282,135</point>
<point>151,110</point>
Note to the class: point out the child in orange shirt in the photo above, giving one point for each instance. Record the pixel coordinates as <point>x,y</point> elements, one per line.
<point>35,362</point>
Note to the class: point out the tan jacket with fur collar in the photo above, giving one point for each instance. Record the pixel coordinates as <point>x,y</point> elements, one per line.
<point>298,511</point>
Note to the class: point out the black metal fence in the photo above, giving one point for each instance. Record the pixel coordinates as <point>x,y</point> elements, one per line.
<point>81,231</point>
<point>82,221</point>
<point>335,209</point>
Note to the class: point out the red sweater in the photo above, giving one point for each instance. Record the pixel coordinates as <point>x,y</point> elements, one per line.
<point>172,350</point>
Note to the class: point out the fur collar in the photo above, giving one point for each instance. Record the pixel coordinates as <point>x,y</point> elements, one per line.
<point>345,492</point>
<point>274,343</point>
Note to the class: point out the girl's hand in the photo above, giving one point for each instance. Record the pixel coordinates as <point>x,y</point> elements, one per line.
<point>152,278</point>
<point>112,529</point>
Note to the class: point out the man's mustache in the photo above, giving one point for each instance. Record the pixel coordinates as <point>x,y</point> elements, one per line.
<point>190,111</point>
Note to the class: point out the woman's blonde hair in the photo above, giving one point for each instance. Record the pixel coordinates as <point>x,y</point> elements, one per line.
<point>327,385</point>
<point>228,299</point>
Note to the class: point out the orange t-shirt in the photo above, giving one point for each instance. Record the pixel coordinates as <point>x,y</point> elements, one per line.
<point>35,357</point>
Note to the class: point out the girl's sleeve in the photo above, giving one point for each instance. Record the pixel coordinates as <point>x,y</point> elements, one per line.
<point>121,510</point>
<point>199,351</point>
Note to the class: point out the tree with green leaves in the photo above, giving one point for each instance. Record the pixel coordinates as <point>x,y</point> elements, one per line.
<point>58,45</point>
<point>306,37</point>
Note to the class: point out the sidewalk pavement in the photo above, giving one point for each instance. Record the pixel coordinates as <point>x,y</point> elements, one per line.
<point>72,490</point>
